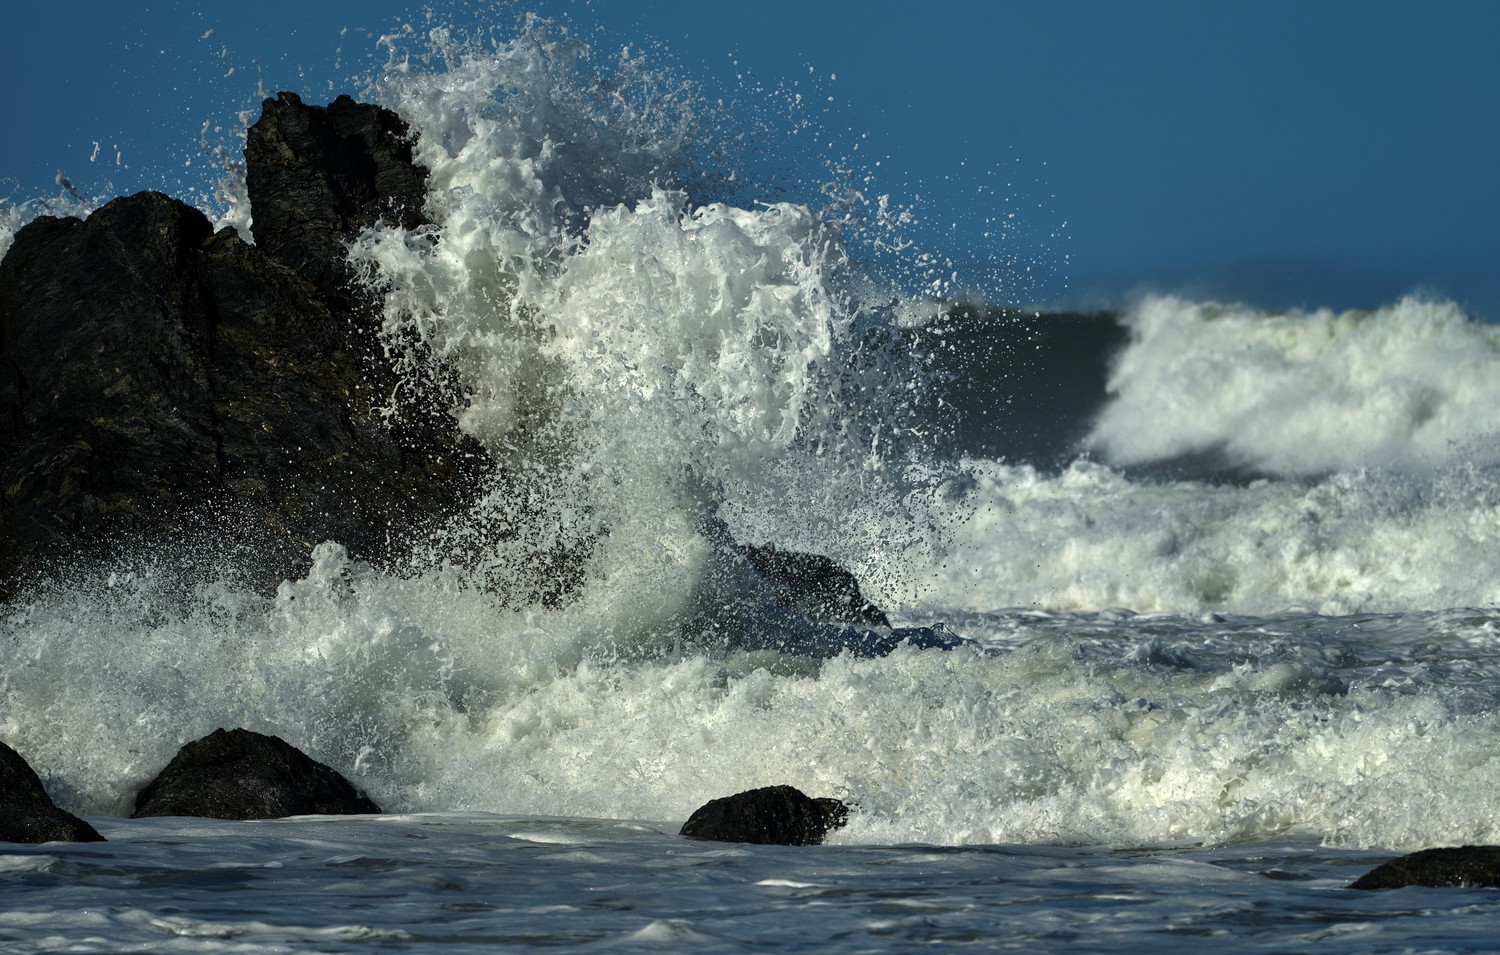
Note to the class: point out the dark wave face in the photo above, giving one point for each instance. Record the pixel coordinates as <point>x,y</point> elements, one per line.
<point>1173,389</point>
<point>1019,386</point>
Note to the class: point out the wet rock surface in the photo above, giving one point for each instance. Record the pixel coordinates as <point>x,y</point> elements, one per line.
<point>238,774</point>
<point>1460,866</point>
<point>815,587</point>
<point>164,384</point>
<point>318,175</point>
<point>774,815</point>
<point>27,813</point>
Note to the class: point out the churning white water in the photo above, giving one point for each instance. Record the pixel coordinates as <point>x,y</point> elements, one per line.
<point>1179,705</point>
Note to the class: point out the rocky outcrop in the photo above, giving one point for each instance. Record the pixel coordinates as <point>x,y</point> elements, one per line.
<point>317,176</point>
<point>1461,866</point>
<point>237,774</point>
<point>171,390</point>
<point>774,815</point>
<point>815,587</point>
<point>27,813</point>
<point>162,383</point>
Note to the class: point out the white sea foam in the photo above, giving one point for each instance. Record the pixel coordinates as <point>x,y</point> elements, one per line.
<point>1091,538</point>
<point>640,364</point>
<point>647,369</point>
<point>1412,385</point>
<point>1097,729</point>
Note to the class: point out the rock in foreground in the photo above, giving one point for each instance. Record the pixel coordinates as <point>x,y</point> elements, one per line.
<point>1460,867</point>
<point>237,774</point>
<point>774,815</point>
<point>27,813</point>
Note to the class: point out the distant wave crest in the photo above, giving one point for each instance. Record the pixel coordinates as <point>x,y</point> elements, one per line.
<point>1414,385</point>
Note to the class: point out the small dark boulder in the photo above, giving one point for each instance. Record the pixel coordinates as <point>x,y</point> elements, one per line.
<point>773,816</point>
<point>27,813</point>
<point>1460,867</point>
<point>815,587</point>
<point>237,774</point>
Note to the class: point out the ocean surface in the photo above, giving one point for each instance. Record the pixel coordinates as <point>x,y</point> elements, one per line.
<point>1224,584</point>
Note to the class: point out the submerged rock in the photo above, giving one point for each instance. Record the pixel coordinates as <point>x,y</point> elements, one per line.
<point>1460,867</point>
<point>27,813</point>
<point>774,815</point>
<point>815,587</point>
<point>161,383</point>
<point>237,774</point>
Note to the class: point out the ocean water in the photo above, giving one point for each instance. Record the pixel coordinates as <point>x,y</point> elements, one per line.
<point>1223,584</point>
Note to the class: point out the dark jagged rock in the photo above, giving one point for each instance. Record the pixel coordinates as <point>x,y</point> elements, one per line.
<point>774,815</point>
<point>815,587</point>
<point>27,813</point>
<point>317,176</point>
<point>237,774</point>
<point>1463,866</point>
<point>159,381</point>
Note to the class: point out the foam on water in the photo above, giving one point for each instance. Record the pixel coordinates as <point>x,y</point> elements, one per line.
<point>1091,729</point>
<point>653,372</point>
<point>470,882</point>
<point>1091,537</point>
<point>1410,386</point>
<point>636,362</point>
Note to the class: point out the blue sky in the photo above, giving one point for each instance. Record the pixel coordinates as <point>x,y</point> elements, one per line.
<point>1285,153</point>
